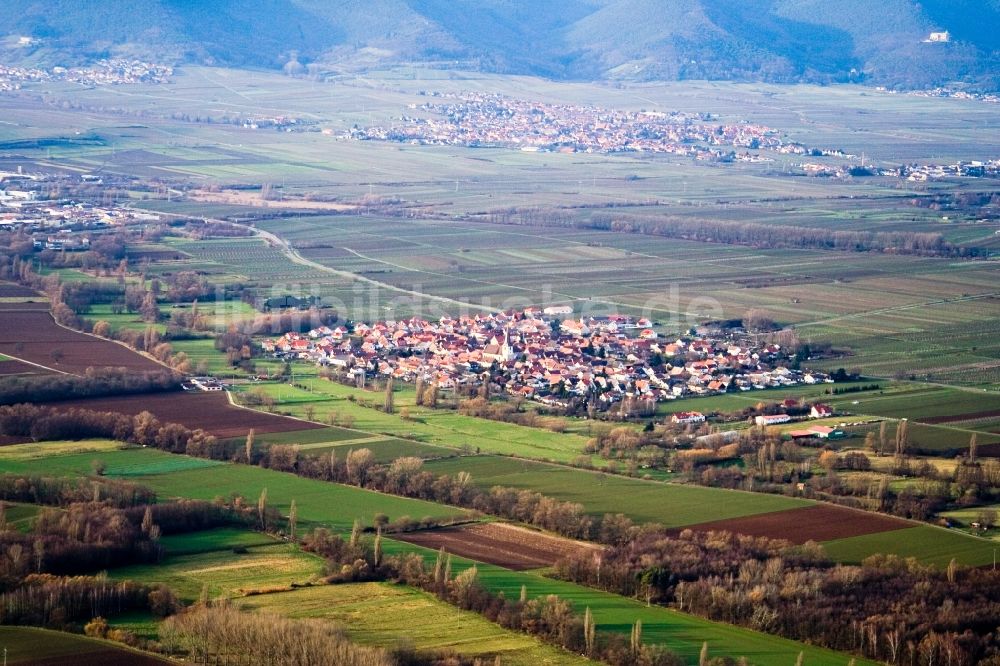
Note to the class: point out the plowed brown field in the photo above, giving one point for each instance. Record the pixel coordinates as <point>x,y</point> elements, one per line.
<point>822,522</point>
<point>509,546</point>
<point>31,334</point>
<point>209,411</point>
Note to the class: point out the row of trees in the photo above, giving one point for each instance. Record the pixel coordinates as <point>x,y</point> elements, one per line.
<point>221,633</point>
<point>96,382</point>
<point>42,423</point>
<point>63,491</point>
<point>754,234</point>
<point>56,601</point>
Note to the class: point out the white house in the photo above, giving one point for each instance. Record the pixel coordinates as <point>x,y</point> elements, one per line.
<point>688,417</point>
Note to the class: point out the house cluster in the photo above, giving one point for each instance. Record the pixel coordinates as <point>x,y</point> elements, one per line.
<point>948,93</point>
<point>491,120</point>
<point>914,173</point>
<point>43,218</point>
<point>966,169</point>
<point>62,224</point>
<point>116,71</point>
<point>598,360</point>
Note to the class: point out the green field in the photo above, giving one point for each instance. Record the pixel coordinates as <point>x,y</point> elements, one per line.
<point>438,427</point>
<point>169,475</point>
<point>215,540</point>
<point>732,402</point>
<point>391,615</point>
<point>208,559</point>
<point>28,645</point>
<point>33,450</point>
<point>21,517</point>
<point>129,463</point>
<point>644,501</point>
<point>929,544</point>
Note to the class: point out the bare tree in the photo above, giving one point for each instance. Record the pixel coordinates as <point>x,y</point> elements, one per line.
<point>248,447</point>
<point>293,519</point>
<point>389,405</point>
<point>262,509</point>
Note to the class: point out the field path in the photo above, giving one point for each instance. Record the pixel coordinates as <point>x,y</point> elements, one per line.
<point>297,258</point>
<point>450,276</point>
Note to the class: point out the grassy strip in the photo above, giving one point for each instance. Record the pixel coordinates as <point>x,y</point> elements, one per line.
<point>387,615</point>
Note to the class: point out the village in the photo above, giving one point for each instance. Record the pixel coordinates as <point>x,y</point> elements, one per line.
<point>116,71</point>
<point>546,355</point>
<point>482,120</point>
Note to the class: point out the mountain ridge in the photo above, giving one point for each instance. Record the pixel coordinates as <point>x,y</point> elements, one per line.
<point>880,42</point>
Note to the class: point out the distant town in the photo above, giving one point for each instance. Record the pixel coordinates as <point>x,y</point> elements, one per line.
<point>551,357</point>
<point>481,120</point>
<point>116,71</point>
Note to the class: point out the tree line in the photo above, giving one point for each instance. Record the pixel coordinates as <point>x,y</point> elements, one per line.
<point>752,234</point>
<point>95,383</point>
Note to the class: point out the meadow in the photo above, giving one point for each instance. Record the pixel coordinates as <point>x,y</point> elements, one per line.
<point>226,563</point>
<point>319,503</point>
<point>926,543</point>
<point>394,615</point>
<point>438,427</point>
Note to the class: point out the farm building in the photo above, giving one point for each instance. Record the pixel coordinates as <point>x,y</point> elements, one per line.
<point>688,417</point>
<point>772,419</point>
<point>817,431</point>
<point>821,411</point>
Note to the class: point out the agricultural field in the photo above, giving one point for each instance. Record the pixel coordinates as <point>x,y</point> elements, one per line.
<point>182,476</point>
<point>200,561</point>
<point>389,615</point>
<point>230,563</point>
<point>926,543</point>
<point>671,505</point>
<point>31,646</point>
<point>30,334</point>
<point>682,633</point>
<point>820,523</point>
<point>505,545</point>
<point>965,517</point>
<point>438,427</point>
<point>209,411</point>
<point>851,535</point>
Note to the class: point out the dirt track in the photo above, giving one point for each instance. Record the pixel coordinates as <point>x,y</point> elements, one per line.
<point>509,546</point>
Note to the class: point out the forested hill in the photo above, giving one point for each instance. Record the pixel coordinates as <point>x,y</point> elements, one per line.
<point>881,42</point>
